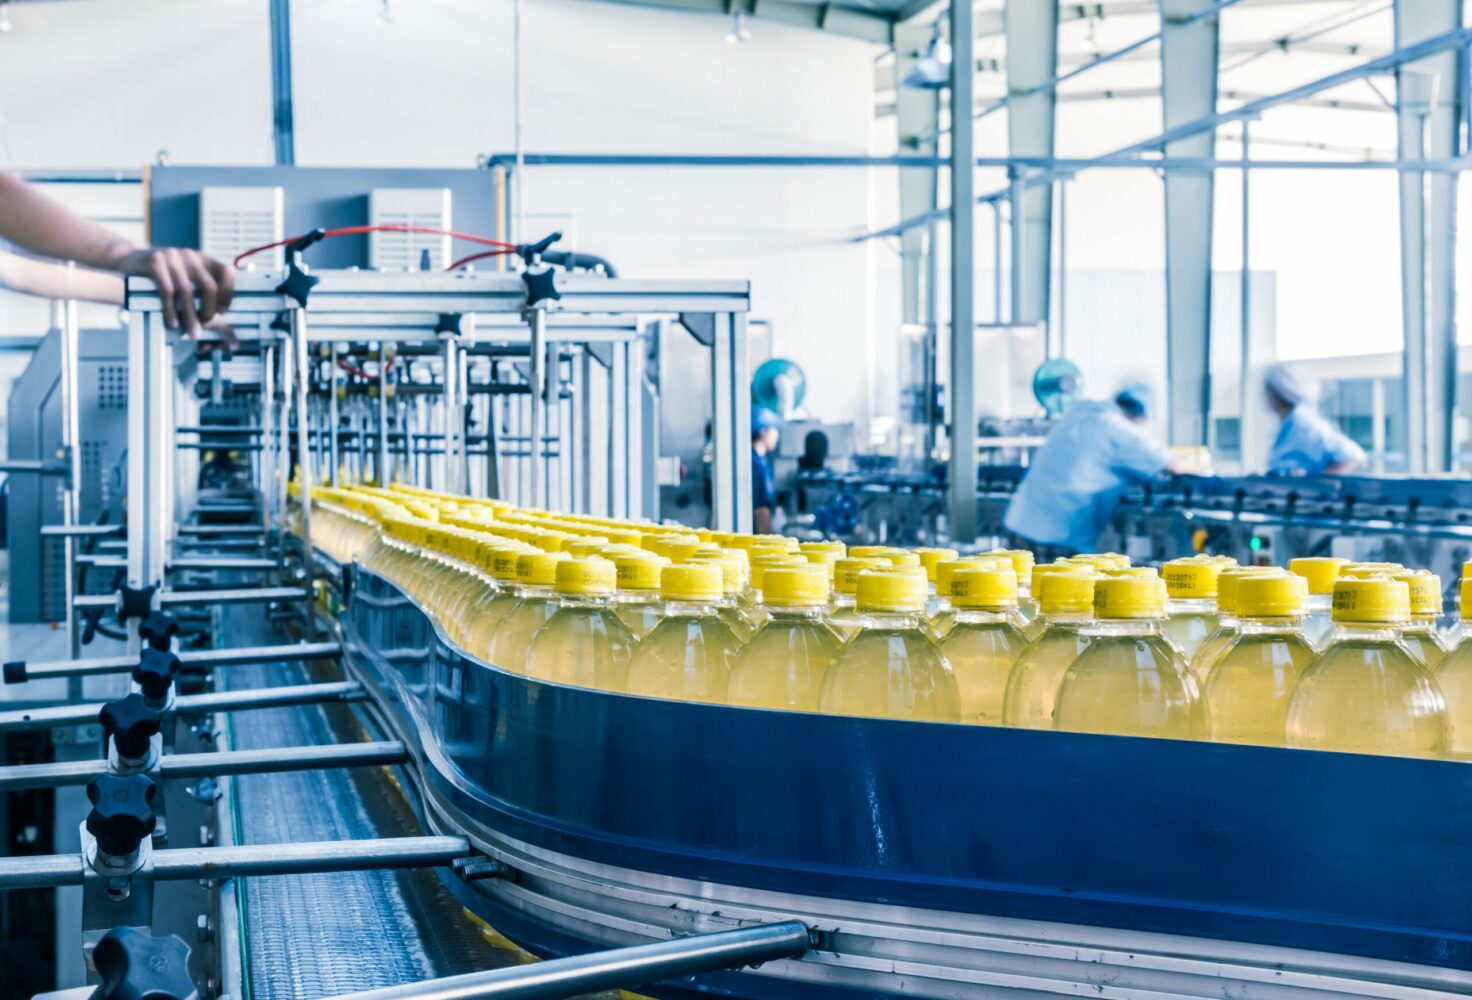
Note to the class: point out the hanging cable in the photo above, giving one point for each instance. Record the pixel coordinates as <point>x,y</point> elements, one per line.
<point>477,256</point>
<point>360,230</point>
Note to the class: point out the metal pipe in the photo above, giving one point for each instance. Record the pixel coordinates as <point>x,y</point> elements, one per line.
<point>202,765</point>
<point>537,321</point>
<point>312,858</point>
<point>221,529</point>
<point>189,705</point>
<point>304,469</point>
<point>334,375</point>
<point>221,563</point>
<point>617,968</point>
<point>248,595</point>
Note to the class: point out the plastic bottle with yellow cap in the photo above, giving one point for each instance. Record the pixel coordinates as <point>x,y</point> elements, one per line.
<point>1422,634</point>
<point>940,616</point>
<point>1226,616</point>
<point>735,588</point>
<point>1366,692</point>
<point>824,553</point>
<point>891,668</point>
<point>584,642</point>
<point>485,549</point>
<point>843,612</point>
<point>1130,680</point>
<point>931,557</point>
<point>782,666</point>
<point>1454,677</point>
<point>637,601</point>
<point>983,643</point>
<point>1191,612</point>
<point>1035,625</point>
<point>502,563</point>
<point>1023,564</point>
<point>536,602</point>
<point>1320,572</point>
<point>1452,636</point>
<point>1065,610</point>
<point>1248,689</point>
<point>755,610</point>
<point>689,654</point>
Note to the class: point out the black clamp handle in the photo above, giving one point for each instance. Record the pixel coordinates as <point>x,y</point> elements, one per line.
<point>133,965</point>
<point>448,323</point>
<point>155,674</point>
<point>14,671</point>
<point>158,630</point>
<point>122,812</point>
<point>132,724</point>
<point>299,284</point>
<point>135,602</point>
<point>540,281</point>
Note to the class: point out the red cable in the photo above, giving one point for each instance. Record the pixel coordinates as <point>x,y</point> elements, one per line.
<point>478,256</point>
<point>360,230</point>
<point>351,369</point>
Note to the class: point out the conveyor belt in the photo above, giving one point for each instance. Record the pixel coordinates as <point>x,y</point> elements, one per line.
<point>309,936</point>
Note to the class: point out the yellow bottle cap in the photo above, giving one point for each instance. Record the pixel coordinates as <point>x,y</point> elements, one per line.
<point>892,588</point>
<point>1361,569</point>
<point>1467,569</point>
<point>1022,561</point>
<point>1064,593</point>
<point>1144,571</point>
<point>1061,566</point>
<point>586,577</point>
<point>805,585</point>
<point>1271,595</point>
<point>539,569</point>
<point>676,548</point>
<point>1319,571</point>
<point>1129,597</point>
<point>639,572</point>
<point>1226,584</point>
<point>735,568</point>
<point>871,551</point>
<point>823,558</point>
<point>1188,579</point>
<point>944,571</point>
<point>846,572</point>
<point>586,546</point>
<point>983,587</point>
<point>1466,593</point>
<point>1372,600</point>
<point>832,546</point>
<point>699,582</point>
<point>763,561</point>
<point>1098,561</point>
<point>1425,588</point>
<point>779,542</point>
<point>931,557</point>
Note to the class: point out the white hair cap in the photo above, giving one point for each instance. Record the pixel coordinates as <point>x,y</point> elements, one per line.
<point>1292,385</point>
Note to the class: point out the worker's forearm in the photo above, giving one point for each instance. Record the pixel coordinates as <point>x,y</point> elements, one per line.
<point>31,220</point>
<point>57,281</point>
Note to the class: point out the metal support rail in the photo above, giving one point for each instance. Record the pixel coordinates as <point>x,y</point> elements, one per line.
<point>213,658</point>
<point>221,529</point>
<point>173,598</point>
<point>190,705</point>
<point>312,858</point>
<point>618,968</point>
<point>204,765</point>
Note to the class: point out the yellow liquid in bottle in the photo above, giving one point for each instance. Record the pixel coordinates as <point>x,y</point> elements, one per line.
<point>513,636</point>
<point>583,643</point>
<point>1366,693</point>
<point>1213,647</point>
<point>783,665</point>
<point>743,625</point>
<point>1190,627</point>
<point>484,621</point>
<point>1131,683</point>
<point>1247,691</point>
<point>1424,643</point>
<point>891,670</point>
<point>1032,686</point>
<point>844,618</point>
<point>982,649</point>
<point>688,657</point>
<point>1454,677</point>
<point>639,612</point>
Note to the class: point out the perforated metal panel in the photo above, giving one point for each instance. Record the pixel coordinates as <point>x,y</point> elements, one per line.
<point>112,387</point>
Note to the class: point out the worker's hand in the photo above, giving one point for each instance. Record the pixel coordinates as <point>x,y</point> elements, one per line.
<point>183,275</point>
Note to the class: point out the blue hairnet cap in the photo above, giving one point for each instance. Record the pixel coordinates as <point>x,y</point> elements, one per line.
<point>1135,398</point>
<point>763,419</point>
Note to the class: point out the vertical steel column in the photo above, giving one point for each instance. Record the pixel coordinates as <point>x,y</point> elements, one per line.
<point>537,320</point>
<point>463,405</point>
<point>963,273</point>
<point>1188,56</point>
<point>270,515</point>
<point>1058,334</point>
<point>1428,97</point>
<point>149,373</point>
<point>287,357</point>
<point>454,462</point>
<point>283,117</point>
<point>304,459</point>
<point>1247,412</point>
<point>917,118</point>
<point>334,381</point>
<point>381,471</point>
<point>1031,28</point>
<point>618,430</point>
<point>69,333</point>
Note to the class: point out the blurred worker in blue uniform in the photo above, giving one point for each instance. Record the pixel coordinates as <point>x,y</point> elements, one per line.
<point>764,437</point>
<point>1077,477</point>
<point>1307,443</point>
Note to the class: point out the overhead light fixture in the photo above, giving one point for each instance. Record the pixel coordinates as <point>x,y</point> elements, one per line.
<point>933,69</point>
<point>739,31</point>
<point>5,24</point>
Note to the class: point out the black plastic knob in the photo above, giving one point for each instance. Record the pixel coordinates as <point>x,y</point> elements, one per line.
<point>158,630</point>
<point>131,724</point>
<point>133,965</point>
<point>122,812</point>
<point>155,673</point>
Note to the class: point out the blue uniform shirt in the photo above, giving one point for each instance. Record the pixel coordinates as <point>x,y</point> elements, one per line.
<point>763,486</point>
<point>1308,443</point>
<point>1078,475</point>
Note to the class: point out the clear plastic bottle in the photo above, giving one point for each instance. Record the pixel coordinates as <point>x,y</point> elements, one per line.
<point>1065,611</point>
<point>1022,564</point>
<point>1130,680</point>
<point>1454,677</point>
<point>931,557</point>
<point>843,614</point>
<point>1191,611</point>
<point>1248,689</point>
<point>783,665</point>
<point>1226,630</point>
<point>735,589</point>
<point>1366,692</point>
<point>824,553</point>
<point>1320,572</point>
<point>584,642</point>
<point>983,643</point>
<point>891,668</point>
<point>689,654</point>
<point>753,609</point>
<point>536,602</point>
<point>939,615</point>
<point>484,621</point>
<point>1454,634</point>
<point>638,603</point>
<point>1035,626</point>
<point>1422,635</point>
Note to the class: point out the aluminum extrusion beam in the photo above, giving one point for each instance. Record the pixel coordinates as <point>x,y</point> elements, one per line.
<point>190,705</point>
<point>1188,57</point>
<point>210,658</point>
<point>283,117</point>
<point>1032,66</point>
<point>617,968</point>
<point>1429,101</point>
<point>962,388</point>
<point>917,115</point>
